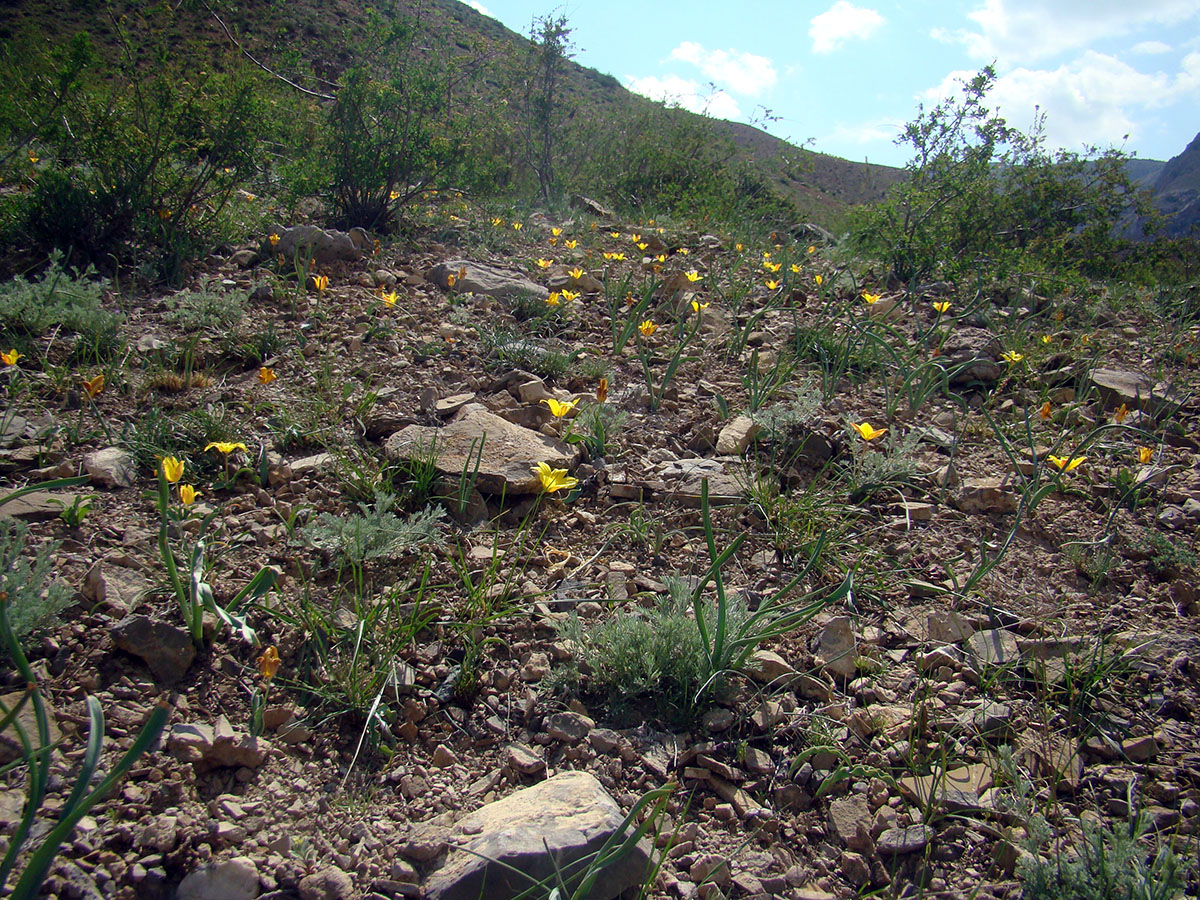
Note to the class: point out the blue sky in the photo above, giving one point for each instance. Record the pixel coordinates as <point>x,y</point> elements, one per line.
<point>845,75</point>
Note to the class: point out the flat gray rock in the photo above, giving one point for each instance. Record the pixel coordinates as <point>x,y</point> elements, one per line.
<point>836,647</point>
<point>324,246</point>
<point>898,841</point>
<point>510,452</point>
<point>111,467</point>
<point>166,649</point>
<point>685,478</point>
<point>479,278</point>
<point>37,506</point>
<point>557,823</point>
<point>231,879</point>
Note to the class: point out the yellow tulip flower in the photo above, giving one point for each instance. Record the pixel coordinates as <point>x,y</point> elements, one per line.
<point>225,447</point>
<point>559,409</point>
<point>10,358</point>
<point>266,375</point>
<point>1065,464</point>
<point>1145,454</point>
<point>942,307</point>
<point>93,386</point>
<point>868,432</point>
<point>1012,357</point>
<point>187,494</point>
<point>172,469</point>
<point>694,276</point>
<point>871,298</point>
<point>647,328</point>
<point>268,663</point>
<point>554,479</point>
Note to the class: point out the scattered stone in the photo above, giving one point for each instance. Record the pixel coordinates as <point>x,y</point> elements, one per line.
<point>10,744</point>
<point>509,452</point>
<point>836,649</point>
<point>899,841</point>
<point>323,246</point>
<point>568,727</point>
<point>849,816</point>
<point>736,436</point>
<point>947,627</point>
<point>524,760</point>
<point>330,883</point>
<point>529,835</point>
<point>231,879</point>
<point>1117,387</point>
<point>978,351</point>
<point>986,495</point>
<point>1140,750</point>
<point>444,757</point>
<point>37,506</point>
<point>685,477</point>
<point>768,667</point>
<point>119,587</point>
<point>718,719</point>
<point>993,648</point>
<point>111,468</point>
<point>166,649</point>
<point>479,278</point>
<point>990,719</point>
<point>956,790</point>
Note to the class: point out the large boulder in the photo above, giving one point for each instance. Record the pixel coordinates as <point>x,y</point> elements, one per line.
<point>509,453</point>
<point>500,850</point>
<point>324,246</point>
<point>479,278</point>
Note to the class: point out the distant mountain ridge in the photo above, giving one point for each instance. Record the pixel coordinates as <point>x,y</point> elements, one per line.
<point>1175,189</point>
<point>325,34</point>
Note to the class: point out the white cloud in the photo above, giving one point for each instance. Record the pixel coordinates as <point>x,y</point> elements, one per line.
<point>687,93</point>
<point>1017,32</point>
<point>743,73</point>
<point>1150,48</point>
<point>479,8</point>
<point>1094,99</point>
<point>840,23</point>
<point>875,131</point>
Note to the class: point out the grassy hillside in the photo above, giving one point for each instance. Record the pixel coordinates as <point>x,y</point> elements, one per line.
<point>313,44</point>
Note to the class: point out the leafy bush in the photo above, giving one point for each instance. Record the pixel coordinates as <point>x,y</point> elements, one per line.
<point>137,160</point>
<point>391,132</point>
<point>34,598</point>
<point>58,299</point>
<point>1110,864</point>
<point>982,194</point>
<point>375,532</point>
<point>206,308</point>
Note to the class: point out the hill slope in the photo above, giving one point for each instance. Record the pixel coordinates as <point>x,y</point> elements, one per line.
<point>313,43</point>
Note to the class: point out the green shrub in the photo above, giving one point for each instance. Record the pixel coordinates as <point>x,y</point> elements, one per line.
<point>392,131</point>
<point>374,532</point>
<point>650,655</point>
<point>58,299</point>
<point>1109,864</point>
<point>34,598</point>
<point>206,307</point>
<point>140,159</point>
<point>981,194</point>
